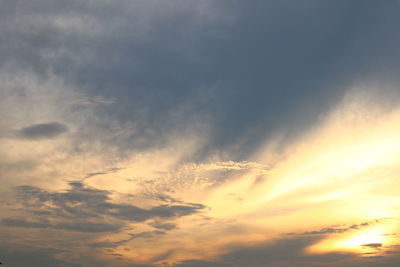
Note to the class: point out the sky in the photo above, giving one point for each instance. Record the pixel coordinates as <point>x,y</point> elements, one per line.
<point>199,133</point>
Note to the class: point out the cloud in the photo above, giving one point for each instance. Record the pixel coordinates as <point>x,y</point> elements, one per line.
<point>20,255</point>
<point>94,101</point>
<point>19,222</point>
<point>290,252</point>
<point>110,170</point>
<point>76,208</point>
<point>333,230</point>
<point>278,252</point>
<point>164,226</point>
<point>200,263</point>
<point>108,244</point>
<point>206,85</point>
<point>373,245</point>
<point>84,227</point>
<point>224,78</point>
<point>144,235</point>
<point>149,234</point>
<point>43,131</point>
<point>89,227</point>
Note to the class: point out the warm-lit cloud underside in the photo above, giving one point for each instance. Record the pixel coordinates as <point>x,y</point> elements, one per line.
<point>337,182</point>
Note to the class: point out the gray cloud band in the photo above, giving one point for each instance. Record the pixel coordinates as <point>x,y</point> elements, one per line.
<point>76,209</point>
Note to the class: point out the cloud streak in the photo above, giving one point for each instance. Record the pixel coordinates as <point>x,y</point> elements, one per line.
<point>43,131</point>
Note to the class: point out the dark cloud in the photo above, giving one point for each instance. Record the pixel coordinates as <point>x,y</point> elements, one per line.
<point>110,170</point>
<point>20,222</point>
<point>94,174</point>
<point>248,69</point>
<point>200,263</point>
<point>335,230</point>
<point>287,252</point>
<point>276,253</point>
<point>78,208</point>
<point>22,255</point>
<point>43,130</point>
<point>164,226</point>
<point>145,235</point>
<point>109,244</point>
<point>372,245</point>
<point>85,227</point>
<point>89,227</point>
<point>291,252</point>
<point>258,74</point>
<point>149,234</point>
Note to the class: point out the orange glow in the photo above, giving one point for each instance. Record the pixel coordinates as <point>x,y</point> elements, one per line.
<point>372,240</point>
<point>342,172</point>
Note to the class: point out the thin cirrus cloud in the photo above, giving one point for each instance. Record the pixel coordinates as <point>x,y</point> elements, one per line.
<point>199,133</point>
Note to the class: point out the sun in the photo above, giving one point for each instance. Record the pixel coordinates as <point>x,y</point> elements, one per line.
<point>372,240</point>
<point>374,237</point>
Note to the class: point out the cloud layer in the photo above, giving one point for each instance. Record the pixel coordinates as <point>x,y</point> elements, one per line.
<point>199,133</point>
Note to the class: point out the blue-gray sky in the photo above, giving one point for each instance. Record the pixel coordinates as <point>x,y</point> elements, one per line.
<point>128,123</point>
